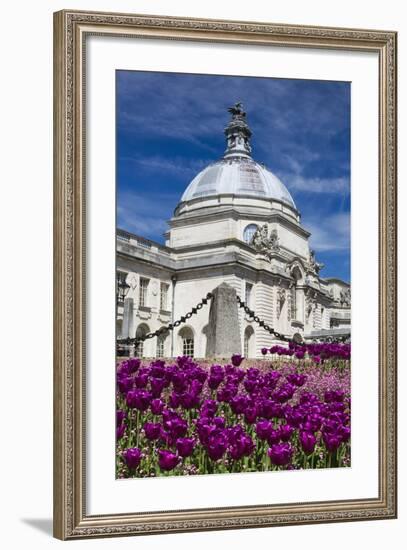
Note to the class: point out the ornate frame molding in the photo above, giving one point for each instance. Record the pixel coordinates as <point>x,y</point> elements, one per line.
<point>70,31</point>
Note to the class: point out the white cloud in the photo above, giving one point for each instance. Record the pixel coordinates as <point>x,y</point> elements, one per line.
<point>317,185</point>
<point>329,233</point>
<point>145,215</point>
<point>176,166</point>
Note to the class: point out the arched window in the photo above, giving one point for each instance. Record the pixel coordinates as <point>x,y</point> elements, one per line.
<point>141,331</point>
<point>161,345</point>
<point>248,342</point>
<point>187,341</point>
<point>249,232</point>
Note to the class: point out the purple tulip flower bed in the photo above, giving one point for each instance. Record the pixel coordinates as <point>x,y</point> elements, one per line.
<point>185,418</point>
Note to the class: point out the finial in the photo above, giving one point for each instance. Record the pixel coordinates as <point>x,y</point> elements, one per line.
<point>237,110</point>
<point>237,133</point>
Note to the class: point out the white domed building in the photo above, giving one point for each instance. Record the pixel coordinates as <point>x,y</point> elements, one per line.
<point>236,223</point>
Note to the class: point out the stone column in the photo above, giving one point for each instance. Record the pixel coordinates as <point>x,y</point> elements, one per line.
<point>223,330</point>
<point>127,317</point>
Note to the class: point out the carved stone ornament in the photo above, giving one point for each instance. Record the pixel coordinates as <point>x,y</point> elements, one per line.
<point>154,288</point>
<point>132,280</point>
<point>310,305</point>
<point>281,297</point>
<point>345,297</point>
<point>313,265</point>
<point>265,243</point>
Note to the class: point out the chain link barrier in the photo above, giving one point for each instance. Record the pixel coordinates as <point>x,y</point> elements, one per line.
<point>264,325</point>
<point>278,335</point>
<point>166,329</point>
<point>252,314</point>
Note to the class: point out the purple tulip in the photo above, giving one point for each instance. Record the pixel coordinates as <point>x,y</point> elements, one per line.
<point>297,379</point>
<point>196,387</point>
<point>250,414</point>
<point>133,364</point>
<point>185,446</point>
<point>280,454</point>
<point>216,446</point>
<point>157,385</point>
<point>250,385</point>
<point>120,431</point>
<point>132,457</point>
<point>141,380</point>
<point>332,442</point>
<point>177,427</point>
<point>263,428</point>
<point>238,403</point>
<point>167,438</point>
<point>138,399</point>
<point>152,430</point>
<point>219,422</point>
<point>334,396</point>
<point>308,442</point>
<point>271,409</point>
<point>236,359</point>
<point>345,433</point>
<point>214,381</point>
<point>167,460</point>
<point>125,383</point>
<point>242,446</point>
<point>286,432</point>
<point>120,416</point>
<point>273,436</point>
<point>264,351</point>
<point>189,400</point>
<point>157,406</point>
<point>209,408</point>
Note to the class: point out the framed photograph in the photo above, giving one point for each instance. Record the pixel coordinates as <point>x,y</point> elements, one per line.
<point>225,274</point>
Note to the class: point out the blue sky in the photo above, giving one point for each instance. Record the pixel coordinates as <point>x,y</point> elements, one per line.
<point>170,126</point>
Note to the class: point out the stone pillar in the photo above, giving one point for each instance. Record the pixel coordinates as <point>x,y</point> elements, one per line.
<point>127,317</point>
<point>223,330</point>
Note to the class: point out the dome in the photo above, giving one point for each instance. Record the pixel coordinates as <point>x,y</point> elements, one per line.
<point>237,173</point>
<point>237,176</point>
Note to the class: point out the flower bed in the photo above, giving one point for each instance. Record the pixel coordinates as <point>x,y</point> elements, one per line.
<point>188,418</point>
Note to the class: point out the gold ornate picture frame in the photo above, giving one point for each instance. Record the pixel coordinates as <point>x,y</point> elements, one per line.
<point>71,32</point>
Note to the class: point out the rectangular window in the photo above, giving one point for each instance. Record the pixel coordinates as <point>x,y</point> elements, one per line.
<point>188,347</point>
<point>160,346</point>
<point>143,292</point>
<point>164,296</point>
<point>248,294</point>
<point>246,347</point>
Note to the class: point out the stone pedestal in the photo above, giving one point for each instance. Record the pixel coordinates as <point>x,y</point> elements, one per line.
<point>223,330</point>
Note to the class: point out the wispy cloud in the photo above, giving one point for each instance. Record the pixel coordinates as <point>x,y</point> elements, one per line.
<point>329,233</point>
<point>176,166</point>
<point>317,185</point>
<point>145,214</point>
<point>296,180</point>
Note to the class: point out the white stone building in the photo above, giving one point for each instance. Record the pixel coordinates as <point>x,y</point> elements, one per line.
<point>236,223</point>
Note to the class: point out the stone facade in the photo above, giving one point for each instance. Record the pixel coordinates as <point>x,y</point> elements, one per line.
<point>246,233</point>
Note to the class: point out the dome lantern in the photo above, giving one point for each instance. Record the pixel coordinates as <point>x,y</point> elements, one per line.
<point>237,133</point>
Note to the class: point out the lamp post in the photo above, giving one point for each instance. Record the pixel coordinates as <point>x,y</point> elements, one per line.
<point>174,282</point>
<point>122,289</point>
